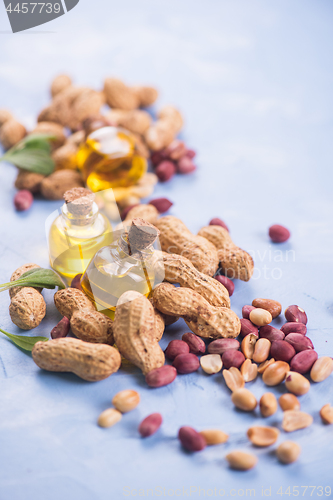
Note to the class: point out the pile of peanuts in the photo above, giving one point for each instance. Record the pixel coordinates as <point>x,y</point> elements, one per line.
<point>76,111</point>
<point>202,265</point>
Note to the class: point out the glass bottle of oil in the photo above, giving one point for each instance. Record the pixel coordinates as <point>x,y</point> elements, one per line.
<point>109,159</point>
<point>78,232</point>
<point>130,263</point>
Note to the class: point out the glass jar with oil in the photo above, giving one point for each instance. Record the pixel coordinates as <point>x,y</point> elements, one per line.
<point>77,233</point>
<point>109,158</point>
<point>130,263</point>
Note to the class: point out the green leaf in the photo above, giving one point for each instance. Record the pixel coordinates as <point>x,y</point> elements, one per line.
<point>37,277</point>
<point>33,153</point>
<point>24,341</point>
<point>34,160</point>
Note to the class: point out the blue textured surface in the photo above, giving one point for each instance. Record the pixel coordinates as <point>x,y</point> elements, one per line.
<point>254,81</point>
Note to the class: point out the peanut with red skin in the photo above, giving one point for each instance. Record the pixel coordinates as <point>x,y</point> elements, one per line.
<point>161,204</point>
<point>186,363</point>
<point>159,377</point>
<point>190,439</point>
<point>165,171</point>
<point>246,311</point>
<point>226,282</point>
<point>282,350</point>
<point>270,333</point>
<point>232,358</point>
<point>303,361</point>
<point>271,306</point>
<point>247,327</point>
<point>23,200</point>
<point>150,424</point>
<point>218,222</point>
<point>195,343</point>
<point>299,342</point>
<point>220,346</point>
<point>61,329</point>
<point>294,327</point>
<point>278,233</point>
<point>176,347</point>
<point>296,314</point>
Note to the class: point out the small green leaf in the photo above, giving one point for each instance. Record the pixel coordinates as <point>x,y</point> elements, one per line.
<point>37,277</point>
<point>34,160</point>
<point>33,153</point>
<point>23,341</point>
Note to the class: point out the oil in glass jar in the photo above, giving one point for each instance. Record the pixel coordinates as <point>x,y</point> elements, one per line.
<point>77,233</point>
<point>130,263</point>
<point>109,158</point>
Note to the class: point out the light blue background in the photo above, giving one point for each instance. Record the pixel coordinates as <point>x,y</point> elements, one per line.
<point>254,82</point>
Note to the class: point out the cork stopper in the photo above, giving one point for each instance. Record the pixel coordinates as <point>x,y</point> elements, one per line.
<point>79,201</point>
<point>141,235</point>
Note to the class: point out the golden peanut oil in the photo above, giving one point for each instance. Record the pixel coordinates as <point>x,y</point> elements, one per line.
<point>109,159</point>
<point>112,272</point>
<point>74,240</point>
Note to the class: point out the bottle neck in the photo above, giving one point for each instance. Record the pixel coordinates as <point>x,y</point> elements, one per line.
<point>79,220</point>
<point>143,254</point>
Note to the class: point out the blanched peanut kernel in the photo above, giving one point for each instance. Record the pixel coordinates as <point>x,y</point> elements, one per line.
<point>260,317</point>
<point>211,363</point>
<point>126,400</point>
<point>268,404</point>
<point>289,402</point>
<point>288,452</point>
<point>109,417</point>
<point>214,436</point>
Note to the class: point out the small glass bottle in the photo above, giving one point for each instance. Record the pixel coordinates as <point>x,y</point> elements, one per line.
<point>77,233</point>
<point>109,158</point>
<point>130,263</point>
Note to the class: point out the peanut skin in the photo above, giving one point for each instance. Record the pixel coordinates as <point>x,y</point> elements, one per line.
<point>235,262</point>
<point>134,330</point>
<point>176,238</point>
<point>203,319</point>
<point>91,362</point>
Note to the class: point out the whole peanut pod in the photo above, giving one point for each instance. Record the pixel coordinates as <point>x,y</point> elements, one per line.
<point>235,262</point>
<point>134,331</point>
<point>92,362</point>
<point>203,319</point>
<point>179,269</point>
<point>175,237</point>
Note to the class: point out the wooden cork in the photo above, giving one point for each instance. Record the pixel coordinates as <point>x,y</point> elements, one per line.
<point>141,235</point>
<point>79,201</point>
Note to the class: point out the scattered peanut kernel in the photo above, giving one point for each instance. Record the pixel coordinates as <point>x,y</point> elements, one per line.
<point>214,436</point>
<point>109,417</point>
<point>126,400</point>
<point>288,452</point>
<point>211,363</point>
